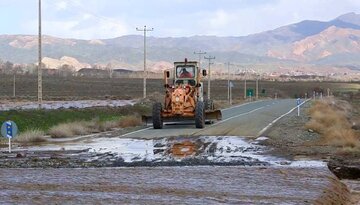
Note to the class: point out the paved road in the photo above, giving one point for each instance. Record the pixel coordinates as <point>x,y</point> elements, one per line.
<point>244,120</point>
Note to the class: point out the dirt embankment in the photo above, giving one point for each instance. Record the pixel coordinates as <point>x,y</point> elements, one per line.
<point>327,130</point>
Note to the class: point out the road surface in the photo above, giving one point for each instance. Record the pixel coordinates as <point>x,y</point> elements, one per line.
<point>244,120</point>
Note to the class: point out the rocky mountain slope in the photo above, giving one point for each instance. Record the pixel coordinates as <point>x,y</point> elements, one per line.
<point>333,43</point>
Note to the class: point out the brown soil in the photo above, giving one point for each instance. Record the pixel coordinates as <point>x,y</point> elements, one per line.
<point>291,137</point>
<point>77,88</point>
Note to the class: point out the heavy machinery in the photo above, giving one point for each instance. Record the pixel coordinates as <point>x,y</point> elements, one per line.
<point>184,97</point>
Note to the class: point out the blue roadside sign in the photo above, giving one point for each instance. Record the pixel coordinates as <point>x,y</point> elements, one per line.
<point>298,101</point>
<point>9,129</point>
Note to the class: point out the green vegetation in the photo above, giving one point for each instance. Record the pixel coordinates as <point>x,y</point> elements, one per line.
<point>45,119</point>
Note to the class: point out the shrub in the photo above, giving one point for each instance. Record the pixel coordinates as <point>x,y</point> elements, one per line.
<point>30,136</point>
<point>332,123</point>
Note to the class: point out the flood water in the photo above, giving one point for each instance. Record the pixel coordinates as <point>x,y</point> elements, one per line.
<point>175,170</point>
<point>204,150</point>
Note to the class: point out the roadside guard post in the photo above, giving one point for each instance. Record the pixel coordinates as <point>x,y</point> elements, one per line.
<point>298,102</point>
<point>9,130</point>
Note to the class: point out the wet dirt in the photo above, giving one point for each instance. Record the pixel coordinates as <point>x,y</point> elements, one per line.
<point>172,185</point>
<point>173,151</point>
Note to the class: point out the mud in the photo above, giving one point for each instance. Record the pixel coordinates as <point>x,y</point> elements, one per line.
<point>172,185</point>
<point>174,151</point>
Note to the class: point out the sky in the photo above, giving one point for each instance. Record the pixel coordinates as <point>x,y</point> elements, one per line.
<point>101,19</point>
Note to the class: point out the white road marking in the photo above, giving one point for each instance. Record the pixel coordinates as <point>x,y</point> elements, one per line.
<point>271,123</point>
<point>242,105</point>
<point>148,128</point>
<point>245,113</point>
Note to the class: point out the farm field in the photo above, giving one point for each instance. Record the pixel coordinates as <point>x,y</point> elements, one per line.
<point>81,88</point>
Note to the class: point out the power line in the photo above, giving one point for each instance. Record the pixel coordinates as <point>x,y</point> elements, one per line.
<point>200,53</point>
<point>145,30</point>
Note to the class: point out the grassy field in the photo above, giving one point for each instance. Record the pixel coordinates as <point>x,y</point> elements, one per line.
<point>45,119</point>
<point>76,88</point>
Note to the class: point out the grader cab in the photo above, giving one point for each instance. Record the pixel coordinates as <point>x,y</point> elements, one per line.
<point>184,97</point>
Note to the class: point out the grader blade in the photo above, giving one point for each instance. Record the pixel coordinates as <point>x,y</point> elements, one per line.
<point>213,115</point>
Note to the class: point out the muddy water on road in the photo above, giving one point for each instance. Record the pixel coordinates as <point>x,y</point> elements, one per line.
<point>204,150</point>
<point>172,185</point>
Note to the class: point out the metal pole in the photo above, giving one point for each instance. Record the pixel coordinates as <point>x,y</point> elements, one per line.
<point>228,64</point>
<point>230,96</point>
<point>145,71</point>
<point>40,62</point>
<point>9,145</point>
<point>245,89</point>
<point>257,88</point>
<point>14,90</point>
<point>209,76</point>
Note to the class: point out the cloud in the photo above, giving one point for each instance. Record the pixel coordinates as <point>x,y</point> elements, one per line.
<point>220,19</point>
<point>61,5</point>
<point>86,28</point>
<point>106,19</point>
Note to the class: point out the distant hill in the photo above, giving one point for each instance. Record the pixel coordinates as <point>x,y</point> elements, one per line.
<point>335,43</point>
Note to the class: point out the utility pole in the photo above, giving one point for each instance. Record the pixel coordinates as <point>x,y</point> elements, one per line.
<point>40,62</point>
<point>200,53</point>
<point>257,87</point>
<point>145,72</point>
<point>245,84</point>
<point>14,84</point>
<point>209,75</point>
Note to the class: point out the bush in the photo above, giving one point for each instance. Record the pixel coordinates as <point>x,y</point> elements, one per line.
<point>87,127</point>
<point>333,125</point>
<point>68,130</point>
<point>129,121</point>
<point>30,136</point>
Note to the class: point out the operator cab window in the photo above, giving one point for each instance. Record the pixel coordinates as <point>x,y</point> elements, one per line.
<point>185,72</point>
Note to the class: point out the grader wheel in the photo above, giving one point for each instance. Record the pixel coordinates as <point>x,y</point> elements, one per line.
<point>200,115</point>
<point>156,116</point>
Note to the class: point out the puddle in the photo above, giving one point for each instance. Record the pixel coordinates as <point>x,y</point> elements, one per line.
<point>205,150</point>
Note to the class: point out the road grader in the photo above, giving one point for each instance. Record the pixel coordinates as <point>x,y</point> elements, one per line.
<point>184,98</point>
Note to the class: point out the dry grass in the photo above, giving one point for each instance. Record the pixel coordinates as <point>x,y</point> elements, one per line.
<point>94,126</point>
<point>330,119</point>
<point>73,129</point>
<point>130,121</point>
<point>30,136</point>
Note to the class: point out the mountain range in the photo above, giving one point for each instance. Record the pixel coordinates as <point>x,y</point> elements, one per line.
<point>334,43</point>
